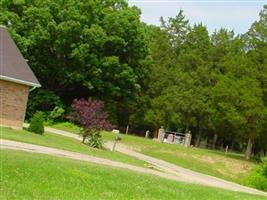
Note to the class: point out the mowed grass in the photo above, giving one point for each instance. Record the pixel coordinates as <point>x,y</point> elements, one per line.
<point>65,126</point>
<point>65,143</point>
<point>231,166</point>
<point>37,176</point>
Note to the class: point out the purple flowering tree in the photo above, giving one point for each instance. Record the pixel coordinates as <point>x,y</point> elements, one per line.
<point>89,115</point>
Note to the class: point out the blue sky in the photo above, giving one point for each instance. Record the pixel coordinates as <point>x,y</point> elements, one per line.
<point>231,14</point>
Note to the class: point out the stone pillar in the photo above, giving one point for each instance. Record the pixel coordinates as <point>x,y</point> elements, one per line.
<point>187,139</point>
<point>161,134</point>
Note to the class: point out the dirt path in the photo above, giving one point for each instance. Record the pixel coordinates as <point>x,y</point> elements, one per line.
<point>170,171</point>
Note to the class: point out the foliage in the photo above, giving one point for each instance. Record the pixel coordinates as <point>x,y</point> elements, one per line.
<point>258,178</point>
<point>37,123</point>
<point>42,100</point>
<point>214,85</point>
<point>90,116</point>
<point>80,48</point>
<point>177,75</point>
<point>56,114</point>
<point>95,140</point>
<point>176,29</point>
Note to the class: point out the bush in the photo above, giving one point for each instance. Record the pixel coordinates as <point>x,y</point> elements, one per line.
<point>90,116</point>
<point>95,141</point>
<point>56,114</point>
<point>94,138</point>
<point>37,123</point>
<point>258,177</point>
<point>42,100</point>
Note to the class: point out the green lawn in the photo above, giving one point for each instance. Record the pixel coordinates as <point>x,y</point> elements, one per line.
<point>61,142</point>
<point>65,126</point>
<point>232,167</point>
<point>37,176</point>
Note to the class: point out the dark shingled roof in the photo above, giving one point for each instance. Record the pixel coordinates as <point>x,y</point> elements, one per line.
<point>13,67</point>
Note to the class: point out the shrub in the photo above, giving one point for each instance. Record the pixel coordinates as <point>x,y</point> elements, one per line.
<point>90,116</point>
<point>258,177</point>
<point>42,100</point>
<point>56,114</point>
<point>95,140</point>
<point>37,123</point>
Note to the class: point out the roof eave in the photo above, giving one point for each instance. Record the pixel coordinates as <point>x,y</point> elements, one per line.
<point>6,78</point>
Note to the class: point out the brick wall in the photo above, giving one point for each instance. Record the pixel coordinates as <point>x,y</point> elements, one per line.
<point>13,102</point>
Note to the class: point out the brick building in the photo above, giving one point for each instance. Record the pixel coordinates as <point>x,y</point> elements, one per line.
<point>16,81</point>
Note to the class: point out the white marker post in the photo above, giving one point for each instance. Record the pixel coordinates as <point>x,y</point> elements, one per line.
<point>127,129</point>
<point>117,132</point>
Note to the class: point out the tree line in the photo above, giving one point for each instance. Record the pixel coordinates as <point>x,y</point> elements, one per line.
<point>175,75</point>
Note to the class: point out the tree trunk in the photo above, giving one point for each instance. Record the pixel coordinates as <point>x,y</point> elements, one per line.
<point>215,137</point>
<point>156,133</point>
<point>83,139</point>
<point>199,138</point>
<point>187,128</point>
<point>127,129</point>
<point>249,149</point>
<point>249,146</point>
<point>206,142</point>
<point>221,146</point>
<point>232,145</point>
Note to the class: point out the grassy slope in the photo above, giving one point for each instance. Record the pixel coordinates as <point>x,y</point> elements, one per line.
<point>61,142</point>
<point>65,126</point>
<point>231,167</point>
<point>37,176</point>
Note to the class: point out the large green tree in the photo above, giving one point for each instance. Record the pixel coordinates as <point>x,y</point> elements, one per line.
<point>176,75</point>
<point>257,53</point>
<point>81,48</point>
